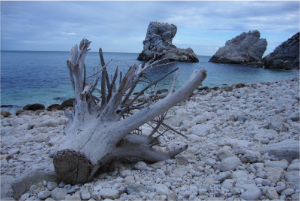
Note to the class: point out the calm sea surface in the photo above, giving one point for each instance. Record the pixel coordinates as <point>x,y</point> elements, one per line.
<point>29,77</point>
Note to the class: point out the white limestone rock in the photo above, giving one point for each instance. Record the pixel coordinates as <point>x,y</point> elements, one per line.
<point>230,163</point>
<point>292,178</point>
<point>252,193</point>
<point>272,193</point>
<point>274,174</point>
<point>294,166</point>
<point>59,193</point>
<point>282,164</point>
<point>44,194</point>
<point>107,193</point>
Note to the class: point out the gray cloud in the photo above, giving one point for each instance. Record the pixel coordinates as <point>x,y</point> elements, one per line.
<point>121,26</point>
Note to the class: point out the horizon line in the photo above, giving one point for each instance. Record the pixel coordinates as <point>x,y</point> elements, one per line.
<point>69,51</point>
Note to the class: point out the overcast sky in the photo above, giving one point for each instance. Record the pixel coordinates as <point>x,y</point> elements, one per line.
<point>121,26</point>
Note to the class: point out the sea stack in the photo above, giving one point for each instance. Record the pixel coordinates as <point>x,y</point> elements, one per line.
<point>158,44</point>
<point>285,56</point>
<point>246,48</point>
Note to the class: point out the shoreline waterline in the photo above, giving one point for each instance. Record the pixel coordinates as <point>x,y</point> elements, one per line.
<point>14,108</point>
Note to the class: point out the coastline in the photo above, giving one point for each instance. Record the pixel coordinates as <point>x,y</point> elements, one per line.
<point>241,122</point>
<point>14,109</point>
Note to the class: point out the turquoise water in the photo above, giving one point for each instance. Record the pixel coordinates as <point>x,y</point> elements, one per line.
<point>29,77</point>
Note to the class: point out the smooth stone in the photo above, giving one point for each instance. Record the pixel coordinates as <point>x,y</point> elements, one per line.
<point>210,161</point>
<point>261,173</point>
<point>51,185</point>
<point>200,119</point>
<point>281,164</point>
<point>292,178</point>
<point>228,184</point>
<point>296,197</point>
<point>108,193</point>
<point>294,167</point>
<point>140,165</point>
<point>85,194</point>
<point>129,179</point>
<point>274,174</point>
<point>44,194</point>
<point>239,174</point>
<point>230,163</point>
<point>74,197</point>
<point>280,187</point>
<point>61,184</point>
<point>222,176</point>
<point>24,196</point>
<point>272,193</point>
<point>126,173</point>
<point>258,180</point>
<point>266,182</point>
<point>194,138</point>
<point>288,192</point>
<point>33,188</point>
<point>59,193</point>
<point>202,129</point>
<point>237,143</point>
<point>252,193</point>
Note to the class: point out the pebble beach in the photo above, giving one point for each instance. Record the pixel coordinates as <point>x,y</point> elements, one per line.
<point>243,145</point>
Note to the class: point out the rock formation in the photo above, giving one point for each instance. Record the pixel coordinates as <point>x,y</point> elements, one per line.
<point>158,42</point>
<point>285,56</point>
<point>247,48</point>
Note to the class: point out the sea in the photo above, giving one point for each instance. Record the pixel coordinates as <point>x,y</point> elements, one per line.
<point>29,77</point>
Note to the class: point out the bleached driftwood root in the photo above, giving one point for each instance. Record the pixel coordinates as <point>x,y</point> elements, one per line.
<point>100,128</point>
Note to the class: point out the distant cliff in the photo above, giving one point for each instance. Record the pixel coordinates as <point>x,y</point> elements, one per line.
<point>285,56</point>
<point>246,48</point>
<point>158,42</point>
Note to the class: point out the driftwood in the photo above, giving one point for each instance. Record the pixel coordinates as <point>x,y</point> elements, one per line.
<point>101,129</point>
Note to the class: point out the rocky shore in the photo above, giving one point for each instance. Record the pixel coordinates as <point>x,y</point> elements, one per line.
<point>243,144</point>
<point>246,48</point>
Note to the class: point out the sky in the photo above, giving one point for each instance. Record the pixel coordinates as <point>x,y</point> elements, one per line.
<point>120,26</point>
